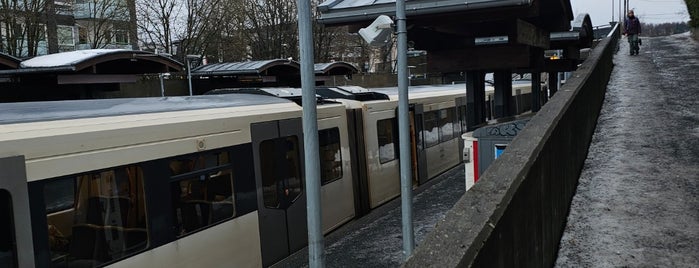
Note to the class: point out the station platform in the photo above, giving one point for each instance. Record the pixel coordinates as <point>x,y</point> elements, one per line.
<point>637,200</point>
<point>376,240</point>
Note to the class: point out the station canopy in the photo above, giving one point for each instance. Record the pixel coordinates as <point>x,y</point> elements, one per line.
<point>94,66</point>
<point>8,62</point>
<point>263,67</point>
<point>465,35</point>
<point>335,68</point>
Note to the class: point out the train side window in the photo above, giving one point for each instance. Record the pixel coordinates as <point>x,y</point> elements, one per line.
<point>293,168</point>
<point>462,118</point>
<point>281,172</point>
<point>202,191</point>
<point>8,246</point>
<point>386,137</point>
<point>330,155</point>
<point>431,131</point>
<point>446,122</point>
<point>107,221</point>
<point>270,184</point>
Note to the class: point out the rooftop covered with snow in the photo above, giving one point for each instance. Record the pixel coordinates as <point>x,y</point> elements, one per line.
<point>97,61</point>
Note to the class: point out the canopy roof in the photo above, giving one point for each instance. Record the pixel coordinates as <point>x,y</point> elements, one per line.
<point>344,11</point>
<point>98,61</point>
<point>335,68</point>
<point>247,67</point>
<point>8,62</point>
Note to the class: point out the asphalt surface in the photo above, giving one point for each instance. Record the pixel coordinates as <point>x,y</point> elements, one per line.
<point>637,202</point>
<point>375,240</point>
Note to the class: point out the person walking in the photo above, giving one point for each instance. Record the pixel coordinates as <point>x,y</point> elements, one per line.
<point>632,28</point>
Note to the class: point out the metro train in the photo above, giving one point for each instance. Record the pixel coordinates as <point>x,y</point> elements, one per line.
<point>207,180</point>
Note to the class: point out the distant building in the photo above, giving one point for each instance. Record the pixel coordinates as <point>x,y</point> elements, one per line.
<point>79,24</point>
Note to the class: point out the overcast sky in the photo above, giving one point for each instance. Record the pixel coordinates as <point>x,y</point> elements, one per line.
<point>648,11</point>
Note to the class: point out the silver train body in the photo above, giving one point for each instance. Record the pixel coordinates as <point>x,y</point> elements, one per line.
<point>204,181</point>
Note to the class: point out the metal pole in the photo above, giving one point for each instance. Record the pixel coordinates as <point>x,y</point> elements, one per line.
<point>316,256</point>
<point>189,75</point>
<point>162,87</point>
<point>406,192</point>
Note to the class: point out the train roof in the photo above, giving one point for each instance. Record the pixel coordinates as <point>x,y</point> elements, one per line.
<point>350,93</point>
<point>24,112</point>
<point>422,89</point>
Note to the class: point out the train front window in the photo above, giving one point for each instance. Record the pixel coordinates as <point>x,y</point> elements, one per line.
<point>202,191</point>
<point>96,217</point>
<point>330,155</point>
<point>280,171</point>
<point>387,147</point>
<point>8,246</point>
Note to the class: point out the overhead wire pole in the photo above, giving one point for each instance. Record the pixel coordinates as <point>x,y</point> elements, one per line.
<point>316,256</point>
<point>403,135</point>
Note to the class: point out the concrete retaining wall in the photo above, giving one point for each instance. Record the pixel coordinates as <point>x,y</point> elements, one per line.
<point>515,214</point>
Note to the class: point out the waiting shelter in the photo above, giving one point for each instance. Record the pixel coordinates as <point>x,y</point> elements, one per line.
<point>81,74</point>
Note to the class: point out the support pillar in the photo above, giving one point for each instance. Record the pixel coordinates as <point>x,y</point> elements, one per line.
<point>475,99</point>
<point>553,83</point>
<point>536,91</point>
<point>503,93</point>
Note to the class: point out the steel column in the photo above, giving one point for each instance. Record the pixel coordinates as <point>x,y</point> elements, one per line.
<point>316,255</point>
<point>403,133</point>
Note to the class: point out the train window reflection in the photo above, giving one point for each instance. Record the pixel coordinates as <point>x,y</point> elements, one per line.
<point>107,220</point>
<point>270,183</point>
<point>446,122</point>
<point>431,131</point>
<point>330,155</point>
<point>386,137</point>
<point>59,195</point>
<point>8,247</point>
<point>462,117</point>
<point>280,171</point>
<point>202,191</point>
<point>293,171</point>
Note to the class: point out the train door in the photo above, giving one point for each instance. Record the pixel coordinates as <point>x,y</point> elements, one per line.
<point>281,199</point>
<point>418,156</point>
<point>16,248</point>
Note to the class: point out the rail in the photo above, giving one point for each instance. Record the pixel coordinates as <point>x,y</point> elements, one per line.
<point>516,213</point>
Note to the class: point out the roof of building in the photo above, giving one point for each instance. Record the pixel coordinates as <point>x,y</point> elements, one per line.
<point>98,61</point>
<point>8,62</point>
<point>335,68</point>
<point>245,67</point>
<point>344,11</point>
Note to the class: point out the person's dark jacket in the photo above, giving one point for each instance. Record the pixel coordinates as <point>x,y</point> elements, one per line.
<point>632,26</point>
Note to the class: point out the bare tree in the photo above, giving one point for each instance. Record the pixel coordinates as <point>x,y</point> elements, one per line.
<point>155,20</point>
<point>133,24</point>
<point>21,26</point>
<point>271,28</point>
<point>228,42</point>
<point>202,22</point>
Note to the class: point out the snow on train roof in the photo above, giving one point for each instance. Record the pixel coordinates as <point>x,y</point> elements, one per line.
<point>24,112</point>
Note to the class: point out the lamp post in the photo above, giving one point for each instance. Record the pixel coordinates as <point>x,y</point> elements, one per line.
<point>162,83</point>
<point>189,59</point>
<point>406,192</point>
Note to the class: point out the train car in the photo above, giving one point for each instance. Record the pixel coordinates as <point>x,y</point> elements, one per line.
<point>171,182</point>
<point>437,119</point>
